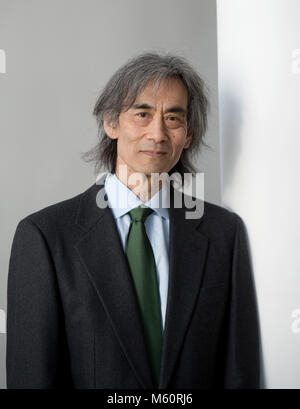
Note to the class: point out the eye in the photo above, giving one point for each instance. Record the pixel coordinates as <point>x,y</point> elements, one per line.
<point>141,115</point>
<point>173,121</point>
<point>173,118</point>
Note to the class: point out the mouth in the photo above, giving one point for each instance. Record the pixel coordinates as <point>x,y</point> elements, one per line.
<point>154,154</point>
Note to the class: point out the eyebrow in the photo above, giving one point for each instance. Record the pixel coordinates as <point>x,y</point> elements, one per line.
<point>174,108</point>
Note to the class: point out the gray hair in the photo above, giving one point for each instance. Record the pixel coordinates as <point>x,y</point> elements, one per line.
<point>121,92</point>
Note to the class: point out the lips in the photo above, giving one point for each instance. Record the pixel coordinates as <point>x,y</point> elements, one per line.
<point>154,154</point>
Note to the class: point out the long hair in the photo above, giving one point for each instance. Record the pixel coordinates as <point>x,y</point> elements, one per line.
<point>122,90</point>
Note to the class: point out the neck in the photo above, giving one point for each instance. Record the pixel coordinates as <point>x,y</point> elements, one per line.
<point>144,186</point>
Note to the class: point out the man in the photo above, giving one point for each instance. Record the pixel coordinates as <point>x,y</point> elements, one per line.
<point>117,287</point>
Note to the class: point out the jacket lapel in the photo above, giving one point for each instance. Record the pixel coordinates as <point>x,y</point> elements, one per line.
<point>187,255</point>
<point>100,250</point>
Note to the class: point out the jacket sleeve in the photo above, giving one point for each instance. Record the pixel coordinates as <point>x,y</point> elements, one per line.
<point>242,360</point>
<point>36,354</point>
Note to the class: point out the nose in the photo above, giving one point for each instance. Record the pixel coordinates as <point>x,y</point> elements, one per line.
<point>157,129</point>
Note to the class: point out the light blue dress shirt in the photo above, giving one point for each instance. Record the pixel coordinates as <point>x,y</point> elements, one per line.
<point>121,200</point>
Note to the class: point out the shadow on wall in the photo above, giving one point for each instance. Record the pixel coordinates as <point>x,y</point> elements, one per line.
<point>232,121</point>
<point>231,134</point>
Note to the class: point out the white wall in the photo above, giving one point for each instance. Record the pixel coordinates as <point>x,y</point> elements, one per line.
<point>259,85</point>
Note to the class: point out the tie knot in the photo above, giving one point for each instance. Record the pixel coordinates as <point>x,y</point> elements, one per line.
<point>140,213</point>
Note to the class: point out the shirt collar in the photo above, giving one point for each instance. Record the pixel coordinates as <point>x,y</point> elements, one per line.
<point>121,199</point>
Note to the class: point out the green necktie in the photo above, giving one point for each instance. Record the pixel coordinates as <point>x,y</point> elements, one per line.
<point>142,265</point>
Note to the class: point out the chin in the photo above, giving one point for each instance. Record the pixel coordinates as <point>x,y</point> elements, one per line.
<point>153,170</point>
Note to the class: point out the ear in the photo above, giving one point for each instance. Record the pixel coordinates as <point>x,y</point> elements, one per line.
<point>110,129</point>
<point>187,142</point>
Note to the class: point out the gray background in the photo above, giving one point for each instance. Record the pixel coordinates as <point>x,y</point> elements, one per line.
<point>60,53</point>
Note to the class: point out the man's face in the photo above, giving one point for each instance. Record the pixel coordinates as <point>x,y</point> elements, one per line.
<point>157,122</point>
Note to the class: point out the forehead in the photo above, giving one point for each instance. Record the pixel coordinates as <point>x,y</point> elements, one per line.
<point>169,90</point>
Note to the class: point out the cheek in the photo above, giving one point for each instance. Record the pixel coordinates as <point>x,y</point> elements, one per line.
<point>132,134</point>
<point>128,143</point>
<point>178,139</point>
<point>127,138</point>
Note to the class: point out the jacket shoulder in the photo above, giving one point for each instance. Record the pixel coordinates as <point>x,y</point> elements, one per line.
<point>59,213</point>
<point>223,221</point>
<point>221,213</point>
<point>215,218</point>
<point>211,211</point>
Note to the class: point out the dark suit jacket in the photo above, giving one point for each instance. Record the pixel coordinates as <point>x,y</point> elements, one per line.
<point>72,312</point>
